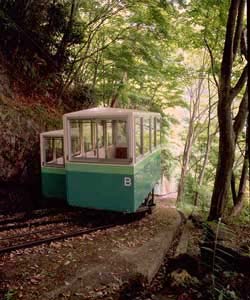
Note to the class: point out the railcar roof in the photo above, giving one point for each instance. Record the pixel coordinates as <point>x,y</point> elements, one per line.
<point>54,133</point>
<point>107,111</point>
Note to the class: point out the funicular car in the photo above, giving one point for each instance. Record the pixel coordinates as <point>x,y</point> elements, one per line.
<point>52,164</point>
<point>104,158</point>
<point>112,158</point>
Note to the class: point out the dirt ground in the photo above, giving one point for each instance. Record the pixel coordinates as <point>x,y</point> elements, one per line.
<point>86,267</point>
<point>190,275</point>
<point>109,264</point>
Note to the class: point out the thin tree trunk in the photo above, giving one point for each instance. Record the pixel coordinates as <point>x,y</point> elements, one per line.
<point>208,147</point>
<point>240,121</point>
<point>194,109</point>
<point>238,203</point>
<point>203,169</point>
<point>59,56</point>
<point>248,90</point>
<point>233,189</point>
<point>115,98</point>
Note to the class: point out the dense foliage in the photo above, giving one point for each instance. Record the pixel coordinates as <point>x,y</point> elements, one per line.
<point>104,50</point>
<point>37,36</point>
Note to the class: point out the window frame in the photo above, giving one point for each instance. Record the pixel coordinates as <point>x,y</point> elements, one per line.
<point>143,136</point>
<point>44,162</point>
<point>157,119</point>
<point>153,146</point>
<point>70,158</point>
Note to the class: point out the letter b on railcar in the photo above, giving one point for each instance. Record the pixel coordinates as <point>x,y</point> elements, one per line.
<point>127,181</point>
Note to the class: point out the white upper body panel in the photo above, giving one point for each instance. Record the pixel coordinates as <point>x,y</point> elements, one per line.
<point>107,112</point>
<point>54,133</point>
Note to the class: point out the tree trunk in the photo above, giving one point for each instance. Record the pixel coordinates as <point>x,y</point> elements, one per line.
<point>225,160</point>
<point>115,97</point>
<point>239,200</point>
<point>187,152</point>
<point>233,189</point>
<point>210,138</point>
<point>240,121</point>
<point>203,169</point>
<point>226,96</point>
<point>60,54</point>
<point>190,139</point>
<point>248,90</point>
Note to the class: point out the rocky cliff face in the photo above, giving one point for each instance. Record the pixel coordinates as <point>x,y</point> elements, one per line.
<point>21,121</point>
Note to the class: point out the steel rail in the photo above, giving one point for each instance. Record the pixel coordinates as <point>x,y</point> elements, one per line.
<point>12,237</point>
<point>53,238</point>
<point>32,215</point>
<point>34,224</point>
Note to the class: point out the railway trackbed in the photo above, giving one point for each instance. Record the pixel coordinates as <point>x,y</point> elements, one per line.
<point>23,217</point>
<point>43,227</point>
<point>7,245</point>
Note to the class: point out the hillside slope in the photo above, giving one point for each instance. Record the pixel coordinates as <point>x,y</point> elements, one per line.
<point>22,118</point>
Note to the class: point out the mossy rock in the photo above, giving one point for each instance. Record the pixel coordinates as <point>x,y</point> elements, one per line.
<point>19,137</point>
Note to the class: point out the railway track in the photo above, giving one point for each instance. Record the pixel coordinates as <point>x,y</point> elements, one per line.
<point>48,238</point>
<point>41,226</point>
<point>22,217</point>
<point>39,220</point>
<point>45,226</point>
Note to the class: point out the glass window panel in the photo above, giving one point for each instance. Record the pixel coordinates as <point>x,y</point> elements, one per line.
<point>154,133</point>
<point>54,151</point>
<point>101,126</point>
<point>109,133</point>
<point>146,135</point>
<point>110,147</point>
<point>158,132</point>
<point>120,139</point>
<point>89,139</point>
<point>75,138</point>
<point>138,137</point>
<point>83,139</point>
<point>103,139</point>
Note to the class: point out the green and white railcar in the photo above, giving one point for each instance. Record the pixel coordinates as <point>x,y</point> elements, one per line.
<point>112,158</point>
<point>53,175</point>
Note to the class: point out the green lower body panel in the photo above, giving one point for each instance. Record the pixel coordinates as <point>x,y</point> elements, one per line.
<point>53,182</point>
<point>100,187</point>
<point>112,187</point>
<point>147,173</point>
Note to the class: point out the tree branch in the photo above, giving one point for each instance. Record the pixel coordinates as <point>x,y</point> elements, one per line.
<point>240,83</point>
<point>227,59</point>
<point>212,62</point>
<point>241,116</point>
<point>239,28</point>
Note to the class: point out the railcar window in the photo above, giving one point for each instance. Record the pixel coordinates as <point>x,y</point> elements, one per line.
<point>109,139</point>
<point>75,138</point>
<point>154,133</point>
<point>89,139</point>
<point>146,135</point>
<point>99,139</point>
<point>110,136</point>
<point>83,139</point>
<point>101,129</point>
<point>138,136</point>
<point>121,139</point>
<point>153,142</point>
<point>158,132</point>
<point>54,151</point>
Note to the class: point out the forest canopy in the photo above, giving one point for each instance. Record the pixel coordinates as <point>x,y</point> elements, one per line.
<point>107,49</point>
